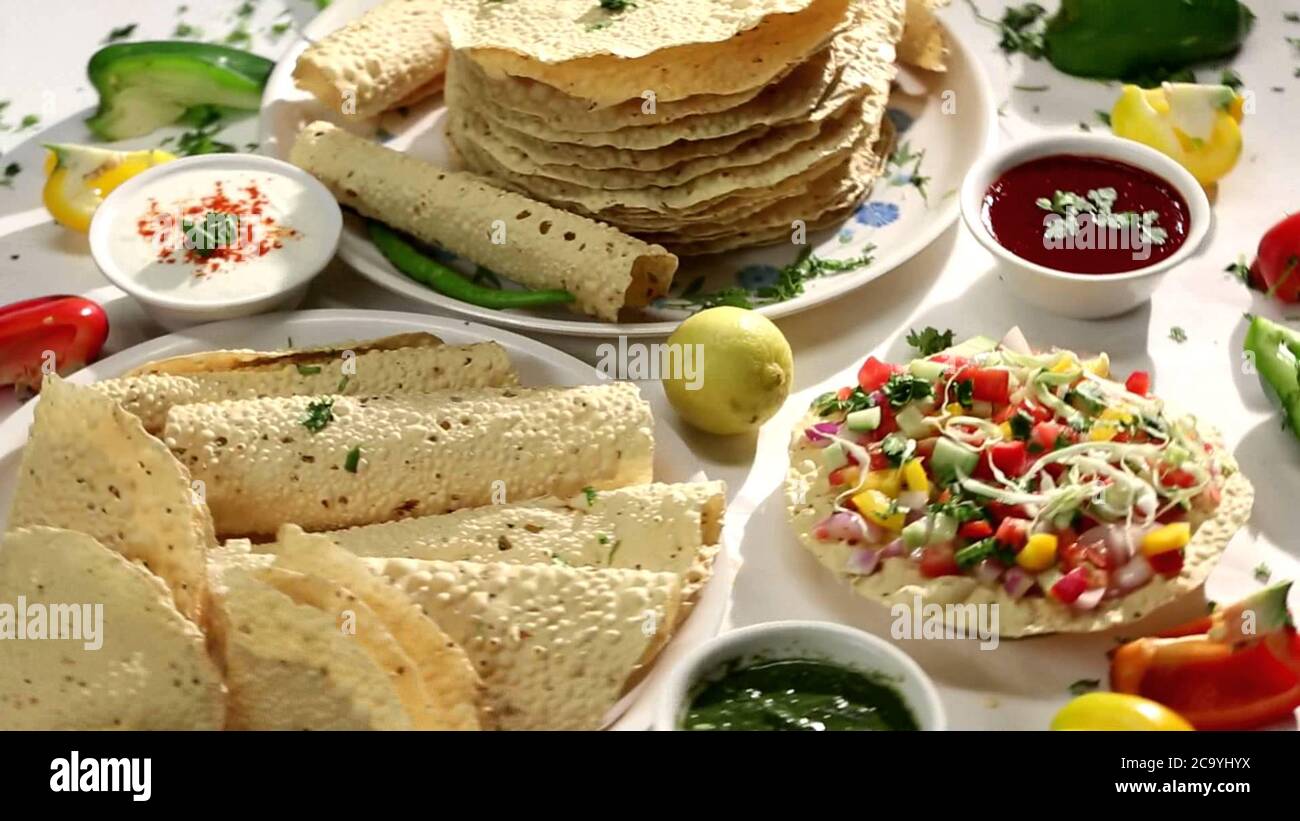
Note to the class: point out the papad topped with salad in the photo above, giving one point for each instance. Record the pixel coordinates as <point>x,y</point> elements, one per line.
<point>988,473</point>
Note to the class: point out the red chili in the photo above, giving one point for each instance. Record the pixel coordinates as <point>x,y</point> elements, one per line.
<point>49,334</point>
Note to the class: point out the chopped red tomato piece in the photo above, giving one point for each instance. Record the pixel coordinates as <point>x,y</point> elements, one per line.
<point>874,374</point>
<point>1167,564</point>
<point>938,560</point>
<point>1012,532</point>
<point>1009,457</point>
<point>1071,586</point>
<point>1177,477</point>
<point>1046,435</point>
<point>976,530</point>
<point>987,384</point>
<point>1138,382</point>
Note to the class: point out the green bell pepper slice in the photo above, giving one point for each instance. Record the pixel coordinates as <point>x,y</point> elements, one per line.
<point>143,86</point>
<point>1275,350</point>
<point>1132,39</point>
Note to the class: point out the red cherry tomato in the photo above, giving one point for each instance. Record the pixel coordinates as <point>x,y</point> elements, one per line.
<point>1138,382</point>
<point>1276,269</point>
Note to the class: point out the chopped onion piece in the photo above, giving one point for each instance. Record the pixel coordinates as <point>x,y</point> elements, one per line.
<point>1132,575</point>
<point>862,561</point>
<point>894,549</point>
<point>1016,582</point>
<point>989,570</point>
<point>1089,599</point>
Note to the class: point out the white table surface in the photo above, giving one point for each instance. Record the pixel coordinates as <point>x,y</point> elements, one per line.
<point>953,284</point>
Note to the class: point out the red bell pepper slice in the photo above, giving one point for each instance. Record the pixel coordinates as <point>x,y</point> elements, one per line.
<point>1012,532</point>
<point>1012,458</point>
<point>69,329</point>
<point>1213,685</point>
<point>1138,382</point>
<point>975,530</point>
<point>874,374</point>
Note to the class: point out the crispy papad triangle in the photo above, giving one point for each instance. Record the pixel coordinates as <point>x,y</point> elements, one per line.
<point>556,646</point>
<point>98,644</point>
<point>923,43</point>
<point>90,466</point>
<point>449,685</point>
<point>292,666</point>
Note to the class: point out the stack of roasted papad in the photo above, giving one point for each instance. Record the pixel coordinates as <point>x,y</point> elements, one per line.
<point>489,555</point>
<point>697,125</point>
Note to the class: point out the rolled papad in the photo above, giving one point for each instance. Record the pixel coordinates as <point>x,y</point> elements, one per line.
<point>671,72</point>
<point>673,528</point>
<point>417,455</point>
<point>556,646</point>
<point>810,499</point>
<point>539,246</point>
<point>406,363</point>
<point>139,665</point>
<point>392,55</point>
<point>90,466</point>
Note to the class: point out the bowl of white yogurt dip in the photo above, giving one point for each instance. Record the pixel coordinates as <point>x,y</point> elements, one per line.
<point>216,236</point>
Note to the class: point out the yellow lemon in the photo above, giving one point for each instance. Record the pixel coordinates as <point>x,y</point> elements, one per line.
<point>1117,711</point>
<point>743,369</point>
<point>78,177</point>
<point>1197,126</point>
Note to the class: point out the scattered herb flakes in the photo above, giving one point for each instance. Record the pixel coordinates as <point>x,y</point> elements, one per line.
<point>1291,17</point>
<point>245,9</point>
<point>1240,270</point>
<point>217,229</point>
<point>1021,28</point>
<point>614,550</point>
<point>902,388</point>
<point>200,140</point>
<point>353,459</point>
<point>121,33</point>
<point>1104,116</point>
<point>28,121</point>
<point>897,448</point>
<point>308,370</point>
<point>902,156</point>
<point>186,30</point>
<point>1263,573</point>
<point>1295,42</point>
<point>1177,334</point>
<point>1097,205</point>
<point>320,412</point>
<point>1231,79</point>
<point>1084,127</point>
<point>11,170</point>
<point>590,493</point>
<point>789,283</point>
<point>343,382</point>
<point>602,538</point>
<point>1084,685</point>
<point>322,4</point>
<point>617,6</point>
<point>929,341</point>
<point>238,37</point>
<point>1032,89</point>
<point>278,29</point>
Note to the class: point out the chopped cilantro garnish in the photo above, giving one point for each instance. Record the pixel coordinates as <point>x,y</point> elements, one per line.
<point>961,510</point>
<point>1104,116</point>
<point>308,370</point>
<point>1021,424</point>
<point>28,121</point>
<point>904,387</point>
<point>353,459</point>
<point>789,283</point>
<point>977,552</point>
<point>1231,79</point>
<point>343,383</point>
<point>1291,17</point>
<point>186,30</point>
<point>10,171</point>
<point>1177,334</point>
<point>320,412</point>
<point>829,403</point>
<point>602,538</point>
<point>206,123</point>
<point>616,5</point>
<point>929,341</point>
<point>120,33</point>
<point>966,393</point>
<point>245,9</point>
<point>1084,685</point>
<point>1021,28</point>
<point>1263,573</point>
<point>590,493</point>
<point>216,230</point>
<point>1240,270</point>
<point>897,448</point>
<point>614,550</point>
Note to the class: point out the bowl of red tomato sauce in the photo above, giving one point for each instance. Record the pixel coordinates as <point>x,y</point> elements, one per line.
<point>1084,225</point>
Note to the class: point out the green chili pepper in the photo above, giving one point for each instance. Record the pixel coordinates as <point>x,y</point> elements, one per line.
<point>143,86</point>
<point>1131,39</point>
<point>450,283</point>
<point>1275,350</point>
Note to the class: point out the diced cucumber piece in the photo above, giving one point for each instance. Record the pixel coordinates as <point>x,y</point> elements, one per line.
<point>834,457</point>
<point>1088,397</point>
<point>864,420</point>
<point>971,347</point>
<point>944,529</point>
<point>917,534</point>
<point>926,369</point>
<point>911,421</point>
<point>952,459</point>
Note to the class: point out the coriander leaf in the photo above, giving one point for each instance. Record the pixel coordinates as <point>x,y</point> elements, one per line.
<point>930,340</point>
<point>343,383</point>
<point>1263,573</point>
<point>897,448</point>
<point>353,459</point>
<point>1177,334</point>
<point>904,387</point>
<point>590,493</point>
<point>120,33</point>
<point>1084,685</point>
<point>308,370</point>
<point>320,413</point>
<point>1231,79</point>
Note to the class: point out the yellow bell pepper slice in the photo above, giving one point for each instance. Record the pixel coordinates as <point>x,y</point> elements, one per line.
<point>914,476</point>
<point>887,482</point>
<point>1161,118</point>
<point>880,509</point>
<point>79,177</point>
<point>1038,554</point>
<point>1164,539</point>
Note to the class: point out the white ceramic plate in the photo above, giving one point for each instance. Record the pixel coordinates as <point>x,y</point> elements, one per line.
<point>950,117</point>
<point>537,364</point>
